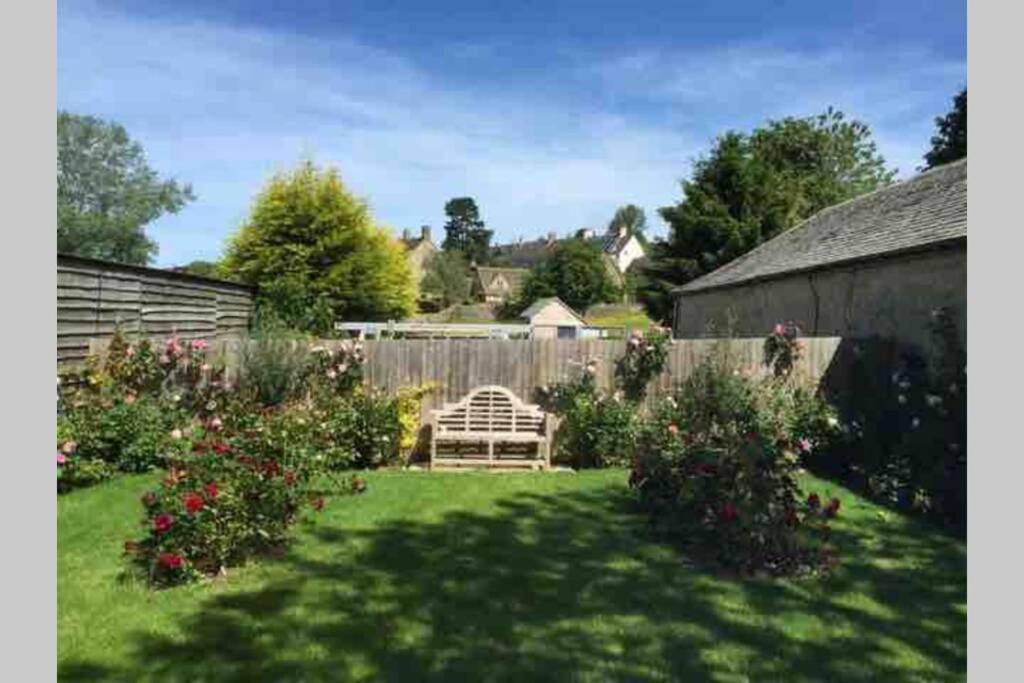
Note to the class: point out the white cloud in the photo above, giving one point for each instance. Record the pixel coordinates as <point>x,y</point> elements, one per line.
<point>223,107</point>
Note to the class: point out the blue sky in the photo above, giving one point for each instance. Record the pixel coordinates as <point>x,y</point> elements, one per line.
<point>549,114</point>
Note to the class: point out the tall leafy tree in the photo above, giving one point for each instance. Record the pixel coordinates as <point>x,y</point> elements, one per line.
<point>203,269</point>
<point>751,187</point>
<point>576,272</point>
<point>630,216</point>
<point>447,278</point>
<point>107,193</point>
<point>950,140</point>
<point>316,254</point>
<point>465,231</point>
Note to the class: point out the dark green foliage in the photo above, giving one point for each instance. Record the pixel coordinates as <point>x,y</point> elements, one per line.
<point>576,272</point>
<point>204,269</point>
<point>905,425</point>
<point>107,193</point>
<point>632,218</point>
<point>128,436</point>
<point>465,232</point>
<point>950,140</point>
<point>594,430</point>
<point>752,187</point>
<point>643,360</point>
<point>717,467</point>
<point>447,278</point>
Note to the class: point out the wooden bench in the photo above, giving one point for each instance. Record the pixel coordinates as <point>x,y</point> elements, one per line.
<point>491,415</point>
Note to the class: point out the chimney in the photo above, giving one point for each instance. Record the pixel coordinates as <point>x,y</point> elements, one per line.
<point>425,232</point>
<point>406,235</point>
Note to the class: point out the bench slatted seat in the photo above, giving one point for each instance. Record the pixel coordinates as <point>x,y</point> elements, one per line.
<point>491,415</point>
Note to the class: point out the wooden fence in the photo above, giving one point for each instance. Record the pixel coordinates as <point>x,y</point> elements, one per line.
<point>94,297</point>
<point>457,365</point>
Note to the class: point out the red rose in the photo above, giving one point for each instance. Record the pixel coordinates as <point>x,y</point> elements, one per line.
<point>193,502</point>
<point>751,437</point>
<point>221,448</point>
<point>149,499</point>
<point>727,512</point>
<point>170,560</point>
<point>271,468</point>
<point>211,490</point>
<point>813,501</point>
<point>318,504</point>
<point>791,518</point>
<point>833,507</point>
<point>162,523</point>
<point>289,478</point>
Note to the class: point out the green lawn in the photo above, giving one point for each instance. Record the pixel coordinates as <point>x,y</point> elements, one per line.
<point>507,577</point>
<point>616,315</point>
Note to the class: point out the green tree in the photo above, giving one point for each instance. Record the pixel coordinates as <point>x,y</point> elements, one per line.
<point>630,216</point>
<point>316,254</point>
<point>465,231</point>
<point>752,187</point>
<point>447,278</point>
<point>576,272</point>
<point>203,269</point>
<point>950,141</point>
<point>107,193</point>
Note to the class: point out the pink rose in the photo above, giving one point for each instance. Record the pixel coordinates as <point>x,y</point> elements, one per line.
<point>215,423</point>
<point>778,329</point>
<point>199,345</point>
<point>61,459</point>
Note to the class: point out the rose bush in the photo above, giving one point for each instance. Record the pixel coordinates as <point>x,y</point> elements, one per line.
<point>643,360</point>
<point>717,465</point>
<point>216,507</point>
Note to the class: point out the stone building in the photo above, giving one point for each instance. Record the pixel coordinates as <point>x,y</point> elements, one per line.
<point>877,265</point>
<point>496,285</point>
<point>420,250</point>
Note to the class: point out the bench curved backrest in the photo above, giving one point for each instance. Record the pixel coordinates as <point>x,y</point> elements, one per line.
<point>489,409</point>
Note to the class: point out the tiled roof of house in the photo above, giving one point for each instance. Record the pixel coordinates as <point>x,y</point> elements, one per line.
<point>928,209</point>
<point>513,276</point>
<point>525,254</point>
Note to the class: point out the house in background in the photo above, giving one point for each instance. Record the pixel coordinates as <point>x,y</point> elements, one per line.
<point>876,265</point>
<point>497,285</point>
<point>420,249</point>
<point>551,318</point>
<point>620,247</point>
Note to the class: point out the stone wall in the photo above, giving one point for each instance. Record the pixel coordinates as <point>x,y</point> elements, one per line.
<point>889,297</point>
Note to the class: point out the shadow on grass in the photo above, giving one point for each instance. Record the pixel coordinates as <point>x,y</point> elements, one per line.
<point>560,588</point>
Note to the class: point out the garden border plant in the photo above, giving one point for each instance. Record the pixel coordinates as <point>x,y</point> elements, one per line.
<point>717,466</point>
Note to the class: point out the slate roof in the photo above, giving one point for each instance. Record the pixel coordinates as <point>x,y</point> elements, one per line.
<point>530,253</point>
<point>926,210</point>
<point>523,254</point>
<point>513,276</point>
